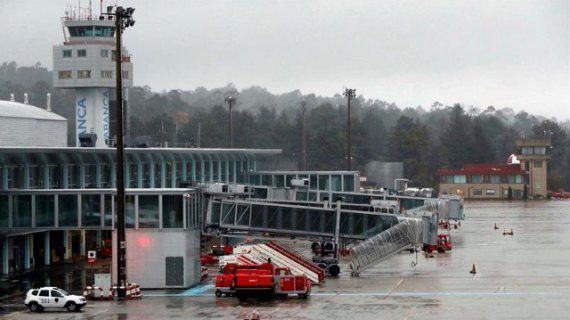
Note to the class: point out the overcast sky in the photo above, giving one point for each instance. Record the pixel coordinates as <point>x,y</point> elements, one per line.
<point>503,53</point>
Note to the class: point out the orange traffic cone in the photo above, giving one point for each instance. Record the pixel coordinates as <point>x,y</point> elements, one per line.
<point>473,270</point>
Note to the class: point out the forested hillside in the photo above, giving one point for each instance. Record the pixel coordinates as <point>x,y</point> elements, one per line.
<point>424,137</point>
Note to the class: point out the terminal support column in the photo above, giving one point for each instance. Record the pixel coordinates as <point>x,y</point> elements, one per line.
<point>27,252</point>
<point>82,243</point>
<point>5,260</point>
<point>337,224</point>
<point>47,249</point>
<point>66,245</point>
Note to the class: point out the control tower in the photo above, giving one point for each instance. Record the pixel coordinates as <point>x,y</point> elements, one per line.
<point>85,62</point>
<point>534,155</point>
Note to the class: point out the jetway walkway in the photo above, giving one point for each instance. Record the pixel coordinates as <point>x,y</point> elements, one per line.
<point>383,235</point>
<point>408,234</point>
<point>248,215</point>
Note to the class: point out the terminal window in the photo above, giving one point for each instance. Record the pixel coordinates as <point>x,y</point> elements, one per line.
<point>537,164</point>
<point>82,74</point>
<point>82,53</point>
<point>107,74</point>
<point>67,53</point>
<point>65,74</point>
<point>104,53</point>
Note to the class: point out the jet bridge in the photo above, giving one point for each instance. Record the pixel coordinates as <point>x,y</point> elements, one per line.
<point>249,215</point>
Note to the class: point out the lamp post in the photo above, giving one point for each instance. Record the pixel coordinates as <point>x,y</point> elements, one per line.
<point>349,94</point>
<point>231,101</point>
<point>123,19</point>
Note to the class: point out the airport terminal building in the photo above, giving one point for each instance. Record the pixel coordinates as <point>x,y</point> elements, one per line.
<point>57,202</point>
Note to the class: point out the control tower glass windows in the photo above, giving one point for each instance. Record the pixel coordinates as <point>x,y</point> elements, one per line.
<point>81,53</point>
<point>67,53</point>
<point>83,74</point>
<point>90,31</point>
<point>104,31</point>
<point>77,31</point>
<point>98,31</point>
<point>64,74</point>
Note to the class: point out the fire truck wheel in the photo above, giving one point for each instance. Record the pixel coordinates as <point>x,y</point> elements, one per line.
<point>303,295</point>
<point>242,298</point>
<point>441,250</point>
<point>218,293</point>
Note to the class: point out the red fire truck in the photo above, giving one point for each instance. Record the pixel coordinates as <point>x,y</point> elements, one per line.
<point>264,281</point>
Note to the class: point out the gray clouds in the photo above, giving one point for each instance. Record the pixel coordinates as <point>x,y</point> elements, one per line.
<point>503,53</point>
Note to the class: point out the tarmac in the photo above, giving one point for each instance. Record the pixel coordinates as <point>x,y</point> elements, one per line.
<point>521,276</point>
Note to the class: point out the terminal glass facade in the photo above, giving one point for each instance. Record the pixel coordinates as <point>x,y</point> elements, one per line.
<point>96,209</point>
<point>347,181</point>
<point>82,168</point>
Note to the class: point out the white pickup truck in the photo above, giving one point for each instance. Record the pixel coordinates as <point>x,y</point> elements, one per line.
<point>38,300</point>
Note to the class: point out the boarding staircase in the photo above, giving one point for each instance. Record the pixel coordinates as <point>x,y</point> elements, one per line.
<point>298,259</point>
<point>407,234</point>
<point>253,254</point>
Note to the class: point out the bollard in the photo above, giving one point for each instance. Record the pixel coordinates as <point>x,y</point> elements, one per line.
<point>473,270</point>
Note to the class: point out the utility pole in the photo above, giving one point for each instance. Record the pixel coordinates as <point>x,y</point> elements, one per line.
<point>231,101</point>
<point>303,138</point>
<point>349,94</point>
<point>123,20</point>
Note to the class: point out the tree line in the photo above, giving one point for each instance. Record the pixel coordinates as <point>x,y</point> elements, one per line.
<point>424,138</point>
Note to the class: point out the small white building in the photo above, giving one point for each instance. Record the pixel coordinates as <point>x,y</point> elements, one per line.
<point>24,125</point>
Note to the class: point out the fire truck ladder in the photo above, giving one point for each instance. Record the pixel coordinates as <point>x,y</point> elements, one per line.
<point>405,235</point>
<point>264,252</point>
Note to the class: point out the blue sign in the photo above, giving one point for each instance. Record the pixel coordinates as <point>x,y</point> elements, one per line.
<point>106,114</point>
<point>81,115</point>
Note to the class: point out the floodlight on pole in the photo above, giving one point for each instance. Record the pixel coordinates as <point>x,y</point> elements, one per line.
<point>231,101</point>
<point>123,19</point>
<point>349,94</point>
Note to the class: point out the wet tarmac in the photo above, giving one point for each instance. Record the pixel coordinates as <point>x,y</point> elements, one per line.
<point>523,276</point>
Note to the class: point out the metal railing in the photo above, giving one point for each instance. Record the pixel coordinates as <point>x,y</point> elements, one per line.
<point>407,234</point>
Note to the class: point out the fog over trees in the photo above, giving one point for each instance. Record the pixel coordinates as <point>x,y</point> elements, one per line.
<point>424,138</point>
